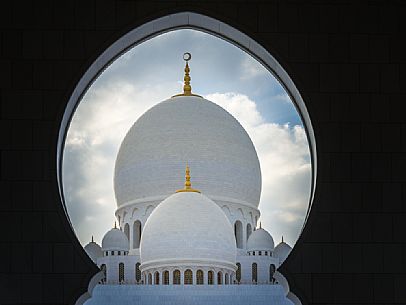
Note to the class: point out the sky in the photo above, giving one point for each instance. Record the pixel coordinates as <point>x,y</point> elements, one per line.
<point>152,72</point>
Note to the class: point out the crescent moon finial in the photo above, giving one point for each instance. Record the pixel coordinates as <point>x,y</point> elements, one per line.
<point>187,88</point>
<point>187,56</point>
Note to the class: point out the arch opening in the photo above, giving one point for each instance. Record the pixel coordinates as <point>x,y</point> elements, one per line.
<point>238,233</point>
<point>136,234</point>
<point>277,70</point>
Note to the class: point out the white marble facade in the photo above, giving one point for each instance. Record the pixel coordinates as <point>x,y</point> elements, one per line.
<point>191,238</point>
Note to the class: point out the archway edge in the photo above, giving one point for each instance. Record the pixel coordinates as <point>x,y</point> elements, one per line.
<point>177,21</point>
<point>182,20</point>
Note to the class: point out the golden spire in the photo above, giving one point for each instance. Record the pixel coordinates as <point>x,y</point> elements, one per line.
<point>282,238</point>
<point>92,239</point>
<point>188,185</point>
<point>115,225</point>
<point>187,89</point>
<point>260,225</point>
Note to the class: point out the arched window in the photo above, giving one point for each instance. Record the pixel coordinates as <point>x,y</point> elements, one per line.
<point>121,272</point>
<point>210,278</point>
<point>176,277</point>
<point>136,234</point>
<point>238,234</point>
<point>219,278</point>
<point>226,279</point>
<point>149,279</point>
<point>199,277</point>
<point>271,273</point>
<point>166,277</point>
<point>249,230</point>
<point>254,273</point>
<point>127,231</point>
<point>104,269</point>
<point>188,277</point>
<point>156,276</point>
<point>137,272</point>
<point>238,273</point>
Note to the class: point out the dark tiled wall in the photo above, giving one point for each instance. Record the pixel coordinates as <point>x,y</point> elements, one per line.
<point>349,62</point>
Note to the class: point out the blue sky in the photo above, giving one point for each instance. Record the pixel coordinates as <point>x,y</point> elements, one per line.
<point>152,72</point>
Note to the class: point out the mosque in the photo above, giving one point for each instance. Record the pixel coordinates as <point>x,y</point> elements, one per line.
<point>177,243</point>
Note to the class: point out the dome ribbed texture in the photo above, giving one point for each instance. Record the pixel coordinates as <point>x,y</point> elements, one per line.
<point>153,154</point>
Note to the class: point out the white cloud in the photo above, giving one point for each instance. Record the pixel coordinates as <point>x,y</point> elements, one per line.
<point>286,171</point>
<point>124,91</point>
<point>97,129</point>
<point>251,68</point>
<point>108,112</point>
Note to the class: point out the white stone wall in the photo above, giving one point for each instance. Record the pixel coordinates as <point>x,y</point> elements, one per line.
<point>112,267</point>
<point>140,211</point>
<point>263,262</point>
<point>188,294</point>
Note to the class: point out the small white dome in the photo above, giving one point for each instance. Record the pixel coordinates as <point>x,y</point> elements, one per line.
<point>115,240</point>
<point>188,228</point>
<point>282,251</point>
<point>93,250</point>
<point>260,240</point>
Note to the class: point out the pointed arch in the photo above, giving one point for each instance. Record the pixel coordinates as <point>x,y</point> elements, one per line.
<point>272,270</point>
<point>199,277</point>
<point>210,278</point>
<point>254,273</point>
<point>188,277</point>
<point>136,234</point>
<point>249,230</point>
<point>121,272</point>
<point>127,231</point>
<point>166,277</point>
<point>176,277</point>
<point>238,272</point>
<point>137,272</point>
<point>238,234</point>
<point>219,278</point>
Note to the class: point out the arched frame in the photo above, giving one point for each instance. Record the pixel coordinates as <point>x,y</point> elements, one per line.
<point>184,20</point>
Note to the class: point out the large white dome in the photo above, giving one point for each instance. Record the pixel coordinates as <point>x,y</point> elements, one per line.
<point>152,155</point>
<point>188,228</point>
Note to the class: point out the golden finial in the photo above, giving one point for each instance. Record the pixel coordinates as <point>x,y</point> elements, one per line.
<point>282,238</point>
<point>187,89</point>
<point>188,185</point>
<point>260,225</point>
<point>115,225</point>
<point>92,239</point>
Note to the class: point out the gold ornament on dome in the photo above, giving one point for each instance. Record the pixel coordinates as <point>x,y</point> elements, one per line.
<point>188,184</point>
<point>187,89</point>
